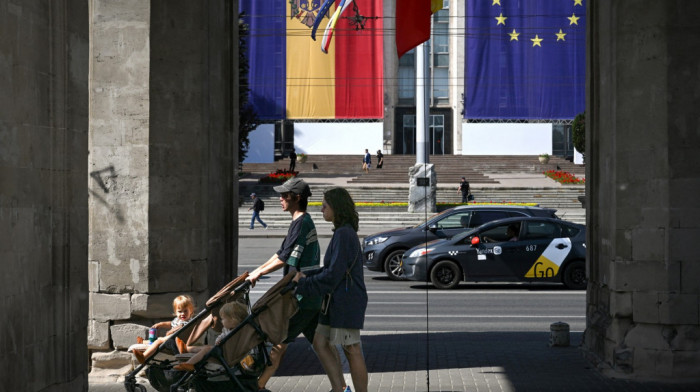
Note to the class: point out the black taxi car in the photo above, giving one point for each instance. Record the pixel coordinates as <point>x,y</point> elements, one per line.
<point>384,251</point>
<point>513,249</point>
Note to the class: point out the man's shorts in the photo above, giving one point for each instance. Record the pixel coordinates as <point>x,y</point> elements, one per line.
<point>342,336</point>
<point>304,321</point>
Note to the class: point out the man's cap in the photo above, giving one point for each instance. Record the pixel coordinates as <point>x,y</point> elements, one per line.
<point>294,185</point>
<point>252,194</point>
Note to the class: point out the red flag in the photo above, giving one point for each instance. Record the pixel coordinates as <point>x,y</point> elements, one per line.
<point>412,24</point>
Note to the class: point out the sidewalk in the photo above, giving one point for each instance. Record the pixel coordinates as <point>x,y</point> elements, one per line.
<point>458,361</point>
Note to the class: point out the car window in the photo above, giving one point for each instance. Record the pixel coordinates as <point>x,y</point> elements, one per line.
<point>569,231</point>
<point>539,230</point>
<point>481,217</point>
<point>502,233</point>
<point>459,220</point>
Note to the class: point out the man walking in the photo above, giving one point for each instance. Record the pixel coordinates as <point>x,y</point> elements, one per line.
<point>464,188</point>
<point>258,205</point>
<point>300,251</point>
<point>292,160</point>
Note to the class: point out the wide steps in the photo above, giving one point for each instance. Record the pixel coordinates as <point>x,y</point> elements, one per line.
<point>476,167</point>
<point>564,197</point>
<point>370,220</point>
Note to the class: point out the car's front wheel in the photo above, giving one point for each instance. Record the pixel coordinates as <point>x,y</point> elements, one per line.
<point>575,276</point>
<point>445,275</point>
<point>393,265</point>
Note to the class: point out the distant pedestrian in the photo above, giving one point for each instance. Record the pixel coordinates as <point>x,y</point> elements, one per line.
<point>258,205</point>
<point>366,161</point>
<point>292,160</point>
<point>380,159</point>
<point>464,188</point>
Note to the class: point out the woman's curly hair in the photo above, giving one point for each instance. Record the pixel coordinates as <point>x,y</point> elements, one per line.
<point>343,208</point>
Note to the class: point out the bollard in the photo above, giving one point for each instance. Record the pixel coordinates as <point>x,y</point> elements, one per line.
<point>559,334</point>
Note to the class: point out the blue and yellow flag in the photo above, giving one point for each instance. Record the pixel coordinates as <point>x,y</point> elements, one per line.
<point>525,59</point>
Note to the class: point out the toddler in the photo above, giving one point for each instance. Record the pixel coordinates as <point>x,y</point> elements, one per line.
<point>183,307</point>
<point>232,314</point>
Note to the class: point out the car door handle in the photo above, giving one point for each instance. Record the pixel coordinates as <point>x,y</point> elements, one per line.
<point>562,246</point>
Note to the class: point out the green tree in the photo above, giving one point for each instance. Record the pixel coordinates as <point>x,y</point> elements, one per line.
<point>579,132</point>
<point>248,120</point>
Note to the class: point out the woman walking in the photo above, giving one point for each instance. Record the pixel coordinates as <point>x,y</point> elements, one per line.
<point>341,282</point>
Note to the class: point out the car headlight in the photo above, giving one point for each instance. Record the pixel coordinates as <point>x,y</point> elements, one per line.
<point>420,252</point>
<point>375,241</point>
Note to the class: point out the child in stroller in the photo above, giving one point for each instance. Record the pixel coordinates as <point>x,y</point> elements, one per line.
<point>183,307</point>
<point>267,323</point>
<point>232,314</point>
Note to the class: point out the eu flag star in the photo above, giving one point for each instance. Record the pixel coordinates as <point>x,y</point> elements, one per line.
<point>573,19</point>
<point>499,2</point>
<point>560,35</point>
<point>514,35</point>
<point>501,19</point>
<point>578,2</point>
<point>536,41</point>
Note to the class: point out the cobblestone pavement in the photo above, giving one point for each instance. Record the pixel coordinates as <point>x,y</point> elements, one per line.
<point>458,361</point>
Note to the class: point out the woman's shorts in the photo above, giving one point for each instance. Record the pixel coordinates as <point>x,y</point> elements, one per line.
<point>342,336</point>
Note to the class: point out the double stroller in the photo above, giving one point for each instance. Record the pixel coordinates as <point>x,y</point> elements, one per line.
<point>221,368</point>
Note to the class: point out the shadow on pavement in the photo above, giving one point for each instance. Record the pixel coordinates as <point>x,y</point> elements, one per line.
<point>522,359</point>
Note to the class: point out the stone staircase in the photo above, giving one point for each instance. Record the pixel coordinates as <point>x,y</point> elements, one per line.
<point>452,167</point>
<point>390,184</point>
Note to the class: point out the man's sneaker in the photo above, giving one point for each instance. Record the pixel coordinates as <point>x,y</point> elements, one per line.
<point>266,227</point>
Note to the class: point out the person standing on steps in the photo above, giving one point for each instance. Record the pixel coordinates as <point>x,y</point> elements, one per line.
<point>292,160</point>
<point>380,159</point>
<point>258,205</point>
<point>464,188</point>
<point>367,161</point>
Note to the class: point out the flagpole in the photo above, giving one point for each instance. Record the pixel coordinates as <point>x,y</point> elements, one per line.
<point>422,103</point>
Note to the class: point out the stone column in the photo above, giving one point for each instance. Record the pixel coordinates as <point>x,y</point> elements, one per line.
<point>643,172</point>
<point>43,195</point>
<point>161,160</point>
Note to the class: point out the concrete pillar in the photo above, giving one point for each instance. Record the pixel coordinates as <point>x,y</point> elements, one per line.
<point>643,178</point>
<point>43,195</point>
<point>162,189</point>
<point>391,85</point>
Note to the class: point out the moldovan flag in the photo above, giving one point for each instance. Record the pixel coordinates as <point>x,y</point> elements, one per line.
<point>413,22</point>
<point>291,78</point>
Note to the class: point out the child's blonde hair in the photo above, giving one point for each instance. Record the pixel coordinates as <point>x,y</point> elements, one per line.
<point>183,301</point>
<point>235,310</point>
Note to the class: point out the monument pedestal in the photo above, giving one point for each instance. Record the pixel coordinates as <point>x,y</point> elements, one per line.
<point>422,188</point>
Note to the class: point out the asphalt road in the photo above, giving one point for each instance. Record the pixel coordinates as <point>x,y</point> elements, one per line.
<point>472,307</point>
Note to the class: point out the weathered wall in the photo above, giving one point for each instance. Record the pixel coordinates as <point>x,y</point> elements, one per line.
<point>43,198</point>
<point>161,160</point>
<point>643,171</point>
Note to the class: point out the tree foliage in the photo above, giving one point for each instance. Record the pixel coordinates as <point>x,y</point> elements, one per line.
<point>248,118</point>
<point>579,132</point>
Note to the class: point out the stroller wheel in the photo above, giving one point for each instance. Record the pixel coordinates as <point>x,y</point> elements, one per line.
<point>141,388</point>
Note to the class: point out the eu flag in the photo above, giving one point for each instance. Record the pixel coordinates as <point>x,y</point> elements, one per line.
<point>525,59</point>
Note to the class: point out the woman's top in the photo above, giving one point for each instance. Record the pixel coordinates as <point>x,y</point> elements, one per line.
<point>349,299</point>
